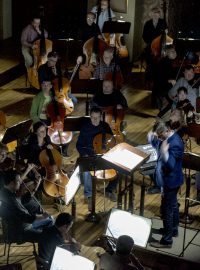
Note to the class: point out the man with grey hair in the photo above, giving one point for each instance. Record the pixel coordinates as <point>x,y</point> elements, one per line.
<point>169,177</point>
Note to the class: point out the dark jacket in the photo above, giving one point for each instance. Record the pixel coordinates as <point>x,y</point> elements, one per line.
<point>84,144</point>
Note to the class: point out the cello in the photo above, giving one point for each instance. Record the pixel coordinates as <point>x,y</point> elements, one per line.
<point>55,181</point>
<point>103,142</point>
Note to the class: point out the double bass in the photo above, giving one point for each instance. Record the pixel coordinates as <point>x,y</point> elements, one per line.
<point>158,45</point>
<point>41,49</point>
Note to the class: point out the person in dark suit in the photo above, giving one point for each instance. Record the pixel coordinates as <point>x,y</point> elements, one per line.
<point>169,177</point>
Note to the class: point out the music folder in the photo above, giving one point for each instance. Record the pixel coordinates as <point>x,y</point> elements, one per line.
<point>66,260</point>
<point>124,223</point>
<point>125,158</point>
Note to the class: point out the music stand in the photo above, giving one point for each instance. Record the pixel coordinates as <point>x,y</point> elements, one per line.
<point>191,161</point>
<point>17,132</point>
<point>93,163</point>
<point>116,27</point>
<point>124,223</point>
<point>66,260</point>
<point>125,159</point>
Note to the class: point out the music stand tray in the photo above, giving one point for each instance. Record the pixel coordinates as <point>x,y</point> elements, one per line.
<point>116,27</point>
<point>125,158</point>
<point>17,132</point>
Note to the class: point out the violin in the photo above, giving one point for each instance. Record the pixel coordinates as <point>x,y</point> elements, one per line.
<point>29,186</point>
<point>55,181</point>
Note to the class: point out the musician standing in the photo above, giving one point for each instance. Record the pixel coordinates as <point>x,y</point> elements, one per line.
<point>30,34</point>
<point>90,28</point>
<point>169,177</point>
<point>103,13</point>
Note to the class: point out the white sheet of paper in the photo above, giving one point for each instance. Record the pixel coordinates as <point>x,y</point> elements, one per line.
<point>65,260</point>
<point>124,223</point>
<point>124,157</point>
<point>72,186</point>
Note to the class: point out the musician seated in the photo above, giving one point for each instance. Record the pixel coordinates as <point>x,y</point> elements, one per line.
<point>19,221</point>
<point>84,145</point>
<point>103,13</point>
<point>184,103</point>
<point>188,81</point>
<point>123,258</point>
<point>40,102</point>
<point>52,70</point>
<point>29,35</point>
<point>6,163</point>
<point>108,69</point>
<point>109,97</point>
<point>38,141</point>
<point>57,235</point>
<point>90,28</point>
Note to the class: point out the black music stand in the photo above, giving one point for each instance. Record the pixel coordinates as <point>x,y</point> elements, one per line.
<point>93,163</point>
<point>17,132</point>
<point>191,162</point>
<point>116,27</point>
<point>125,159</point>
<point>86,86</point>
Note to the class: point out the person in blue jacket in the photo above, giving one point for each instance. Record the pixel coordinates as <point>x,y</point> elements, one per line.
<point>169,177</point>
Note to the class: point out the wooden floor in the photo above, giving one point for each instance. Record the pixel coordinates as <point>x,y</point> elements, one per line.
<point>15,101</point>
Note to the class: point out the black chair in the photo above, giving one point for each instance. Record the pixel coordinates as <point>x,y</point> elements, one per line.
<point>9,239</point>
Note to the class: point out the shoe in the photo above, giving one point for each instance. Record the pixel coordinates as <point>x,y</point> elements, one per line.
<point>195,202</point>
<point>157,244</point>
<point>153,190</point>
<point>111,196</point>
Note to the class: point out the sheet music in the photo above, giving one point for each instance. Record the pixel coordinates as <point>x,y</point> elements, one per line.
<point>149,149</point>
<point>124,223</point>
<point>65,260</point>
<point>124,157</point>
<point>72,186</point>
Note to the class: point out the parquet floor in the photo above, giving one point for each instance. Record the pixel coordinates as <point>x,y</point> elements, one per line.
<point>15,101</point>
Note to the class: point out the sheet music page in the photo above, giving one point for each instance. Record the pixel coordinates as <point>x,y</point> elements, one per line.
<point>124,223</point>
<point>124,157</point>
<point>65,260</point>
<point>72,186</point>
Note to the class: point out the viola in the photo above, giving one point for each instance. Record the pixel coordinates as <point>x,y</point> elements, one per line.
<point>56,180</point>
